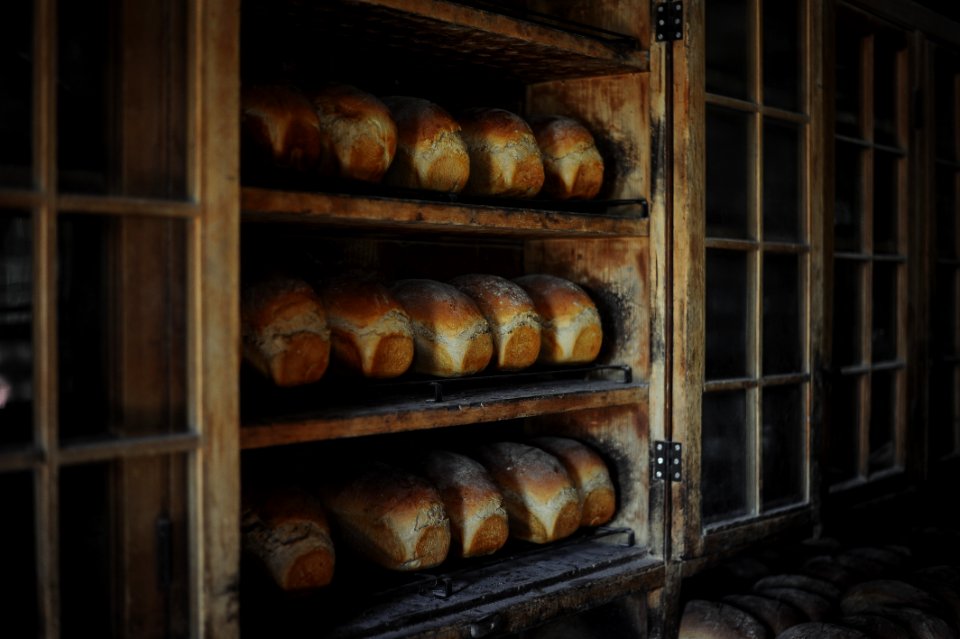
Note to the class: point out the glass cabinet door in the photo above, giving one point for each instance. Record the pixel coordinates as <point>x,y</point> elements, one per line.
<point>108,224</point>
<point>865,435</point>
<point>745,416</point>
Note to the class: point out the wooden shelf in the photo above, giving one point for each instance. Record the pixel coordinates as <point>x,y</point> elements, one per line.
<point>308,414</point>
<point>586,567</point>
<point>391,214</point>
<point>462,36</point>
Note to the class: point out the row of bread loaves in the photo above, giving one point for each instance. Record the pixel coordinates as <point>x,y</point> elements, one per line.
<point>341,131</point>
<point>447,330</point>
<point>449,504</point>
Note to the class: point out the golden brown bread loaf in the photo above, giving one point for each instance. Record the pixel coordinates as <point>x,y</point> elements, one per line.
<point>570,327</point>
<point>539,496</point>
<point>390,516</point>
<point>357,134</point>
<point>504,157</point>
<point>450,335</point>
<point>508,309</point>
<point>598,499</point>
<point>430,152</point>
<point>370,332</point>
<point>287,531</point>
<point>572,164</point>
<point>280,127</point>
<point>478,521</point>
<point>284,331</point>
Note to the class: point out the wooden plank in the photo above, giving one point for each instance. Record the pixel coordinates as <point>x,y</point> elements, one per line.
<point>14,460</point>
<point>689,205</point>
<point>16,201</point>
<point>359,212</point>
<point>104,205</point>
<point>520,32</point>
<point>102,451</point>
<point>749,106</point>
<point>215,70</point>
<point>393,420</point>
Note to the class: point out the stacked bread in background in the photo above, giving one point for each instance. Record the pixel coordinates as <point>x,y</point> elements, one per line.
<point>290,330</point>
<point>904,585</point>
<point>341,132</point>
<point>416,513</point>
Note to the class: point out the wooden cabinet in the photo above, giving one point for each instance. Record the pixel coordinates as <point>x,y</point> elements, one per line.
<point>772,254</point>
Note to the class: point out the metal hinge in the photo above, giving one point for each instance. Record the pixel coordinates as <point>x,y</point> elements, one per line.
<point>669,21</point>
<point>667,461</point>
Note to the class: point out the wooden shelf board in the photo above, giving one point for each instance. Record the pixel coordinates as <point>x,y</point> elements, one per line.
<point>461,35</point>
<point>383,213</point>
<point>475,407</point>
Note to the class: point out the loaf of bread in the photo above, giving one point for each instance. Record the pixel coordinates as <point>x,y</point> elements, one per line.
<point>284,331</point>
<point>571,332</point>
<point>703,619</point>
<point>572,164</point>
<point>451,337</point>
<point>286,530</point>
<point>541,500</point>
<point>504,157</point>
<point>357,134</point>
<point>389,516</point>
<point>508,309</point>
<point>430,151</point>
<point>279,128</point>
<point>369,330</point>
<point>478,521</point>
<point>776,615</point>
<point>598,499</point>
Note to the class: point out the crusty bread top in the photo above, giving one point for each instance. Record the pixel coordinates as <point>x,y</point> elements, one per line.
<point>557,300</point>
<point>283,305</point>
<point>496,127</point>
<point>286,504</point>
<point>499,299</point>
<point>355,303</point>
<point>584,464</point>
<point>357,133</point>
<point>419,122</point>
<point>439,306</point>
<point>281,122</point>
<point>558,136</point>
<point>379,492</point>
<point>464,482</point>
<point>525,470</point>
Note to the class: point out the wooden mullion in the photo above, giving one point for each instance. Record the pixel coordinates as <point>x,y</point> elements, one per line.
<point>124,206</point>
<point>21,459</point>
<point>754,426</point>
<point>867,56</point>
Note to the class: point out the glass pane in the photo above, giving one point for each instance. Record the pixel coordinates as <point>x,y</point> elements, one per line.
<point>16,93</point>
<point>886,204</point>
<point>727,53</point>
<point>848,71</point>
<point>883,405</point>
<point>16,330</point>
<point>728,174</point>
<point>886,80</point>
<point>781,54</point>
<point>945,105</point>
<point>846,312</point>
<point>724,444</point>
<point>123,548</point>
<point>783,446</point>
<point>726,314</point>
<point>782,159</point>
<point>122,326</point>
<point>782,317</point>
<point>943,409</point>
<point>121,118</point>
<point>943,312</point>
<point>844,427</point>
<point>885,311</point>
<point>945,194</point>
<point>848,206</point>
<point>18,579</point>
